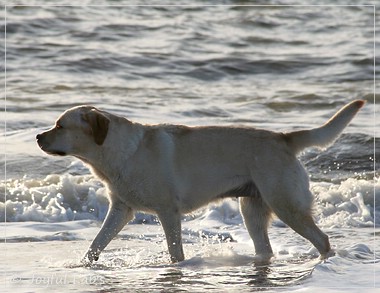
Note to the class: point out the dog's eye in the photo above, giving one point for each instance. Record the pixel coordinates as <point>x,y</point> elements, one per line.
<point>58,126</point>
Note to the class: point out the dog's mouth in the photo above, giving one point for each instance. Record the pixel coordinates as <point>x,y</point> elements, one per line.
<point>48,151</point>
<point>56,153</point>
<point>53,152</point>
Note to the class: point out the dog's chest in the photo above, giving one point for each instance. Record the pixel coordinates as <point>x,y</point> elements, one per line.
<point>134,194</point>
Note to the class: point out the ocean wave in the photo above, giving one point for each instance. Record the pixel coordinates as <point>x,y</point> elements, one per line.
<point>352,203</point>
<point>60,198</point>
<point>54,199</point>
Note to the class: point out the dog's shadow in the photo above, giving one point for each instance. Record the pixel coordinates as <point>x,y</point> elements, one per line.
<point>216,269</point>
<point>238,269</point>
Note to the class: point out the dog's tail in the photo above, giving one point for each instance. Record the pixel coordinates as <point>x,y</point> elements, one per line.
<point>327,133</point>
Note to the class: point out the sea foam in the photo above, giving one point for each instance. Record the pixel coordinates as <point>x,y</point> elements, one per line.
<point>59,198</point>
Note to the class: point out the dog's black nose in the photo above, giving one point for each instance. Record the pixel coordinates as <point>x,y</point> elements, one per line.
<point>38,136</point>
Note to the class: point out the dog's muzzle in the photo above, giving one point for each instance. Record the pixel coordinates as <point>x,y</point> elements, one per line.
<point>44,145</point>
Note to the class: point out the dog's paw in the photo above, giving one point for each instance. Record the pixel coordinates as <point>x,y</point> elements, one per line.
<point>330,253</point>
<point>263,259</point>
<point>90,257</point>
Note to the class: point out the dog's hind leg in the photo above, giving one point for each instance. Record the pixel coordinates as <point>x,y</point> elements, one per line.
<point>290,199</point>
<point>303,223</point>
<point>257,215</point>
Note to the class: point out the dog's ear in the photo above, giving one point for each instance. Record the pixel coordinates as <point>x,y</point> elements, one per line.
<point>98,123</point>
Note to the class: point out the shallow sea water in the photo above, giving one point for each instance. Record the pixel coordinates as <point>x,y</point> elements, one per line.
<point>276,67</point>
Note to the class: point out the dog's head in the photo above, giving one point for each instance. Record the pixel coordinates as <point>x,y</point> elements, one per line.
<point>75,131</point>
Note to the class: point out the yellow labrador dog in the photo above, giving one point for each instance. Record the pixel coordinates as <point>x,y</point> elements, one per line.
<point>171,170</point>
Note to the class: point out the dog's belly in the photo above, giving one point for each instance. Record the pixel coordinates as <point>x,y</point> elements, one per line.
<point>248,189</point>
<point>191,202</point>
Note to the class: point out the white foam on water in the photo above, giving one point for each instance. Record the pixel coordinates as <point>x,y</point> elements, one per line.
<point>56,198</point>
<point>352,203</point>
<point>61,198</point>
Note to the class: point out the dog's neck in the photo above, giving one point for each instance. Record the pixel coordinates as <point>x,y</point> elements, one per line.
<point>97,160</point>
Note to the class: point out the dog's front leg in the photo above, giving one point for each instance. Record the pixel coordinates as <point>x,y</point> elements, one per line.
<point>171,222</point>
<point>117,217</point>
